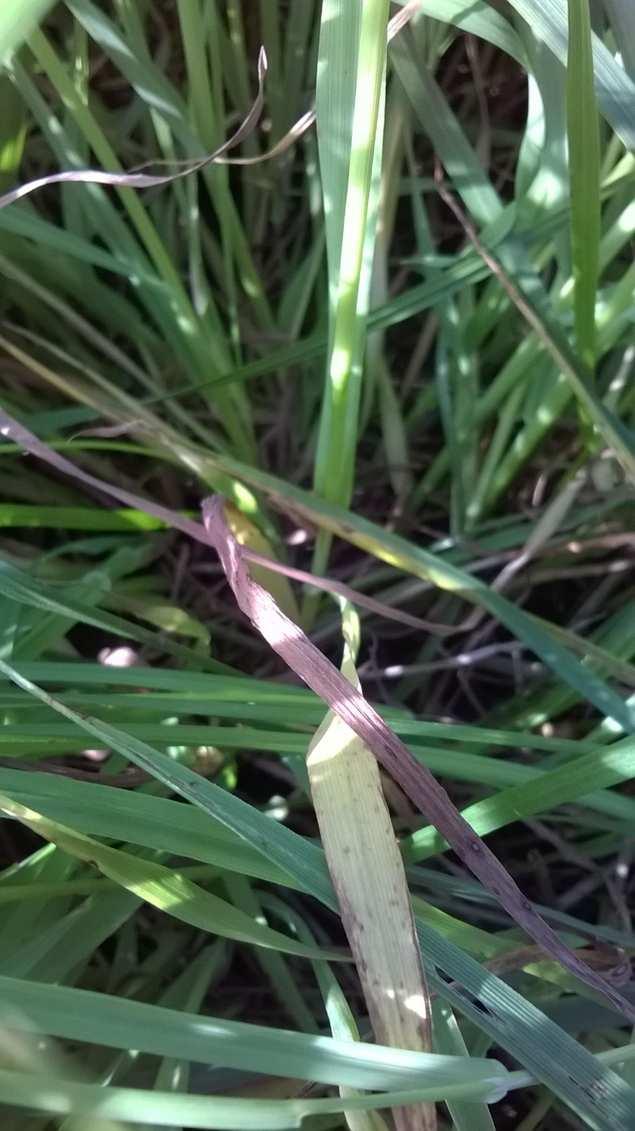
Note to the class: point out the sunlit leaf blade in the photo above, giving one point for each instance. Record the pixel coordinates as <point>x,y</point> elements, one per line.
<point>17,21</point>
<point>354,114</point>
<point>615,91</point>
<point>162,887</point>
<point>101,1019</point>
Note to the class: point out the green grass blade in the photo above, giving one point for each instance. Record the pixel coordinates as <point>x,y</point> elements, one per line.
<point>26,590</point>
<point>163,888</point>
<point>615,91</point>
<point>17,21</point>
<point>576,779</point>
<point>101,1019</point>
<point>477,18</point>
<point>447,136</point>
<point>622,16</point>
<point>138,1106</point>
<point>151,822</point>
<point>584,172</point>
<point>154,313</point>
<point>54,951</point>
<point>448,1039</point>
<point>350,226</point>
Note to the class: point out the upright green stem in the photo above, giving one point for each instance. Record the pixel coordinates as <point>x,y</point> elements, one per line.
<point>584,177</point>
<point>338,423</point>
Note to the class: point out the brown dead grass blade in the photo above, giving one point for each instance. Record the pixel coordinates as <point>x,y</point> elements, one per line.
<point>136,178</point>
<point>288,640</point>
<point>370,880</point>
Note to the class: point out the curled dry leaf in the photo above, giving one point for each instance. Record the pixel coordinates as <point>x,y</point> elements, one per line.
<point>138,179</point>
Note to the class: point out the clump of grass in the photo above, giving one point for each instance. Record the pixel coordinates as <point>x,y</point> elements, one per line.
<point>402,350</point>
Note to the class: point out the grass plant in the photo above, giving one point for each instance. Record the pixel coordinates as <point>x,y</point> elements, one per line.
<point>402,349</point>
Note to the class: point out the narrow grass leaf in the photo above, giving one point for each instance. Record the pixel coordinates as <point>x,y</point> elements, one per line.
<point>25,590</point>
<point>350,226</point>
<point>13,127</point>
<point>449,1039</point>
<point>152,822</point>
<point>63,945</point>
<point>82,1015</point>
<point>446,134</point>
<point>615,90</point>
<point>17,22</point>
<point>135,1105</point>
<point>584,173</point>
<point>606,767</point>
<point>622,16</point>
<point>162,887</point>
<point>223,806</point>
<point>477,18</point>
